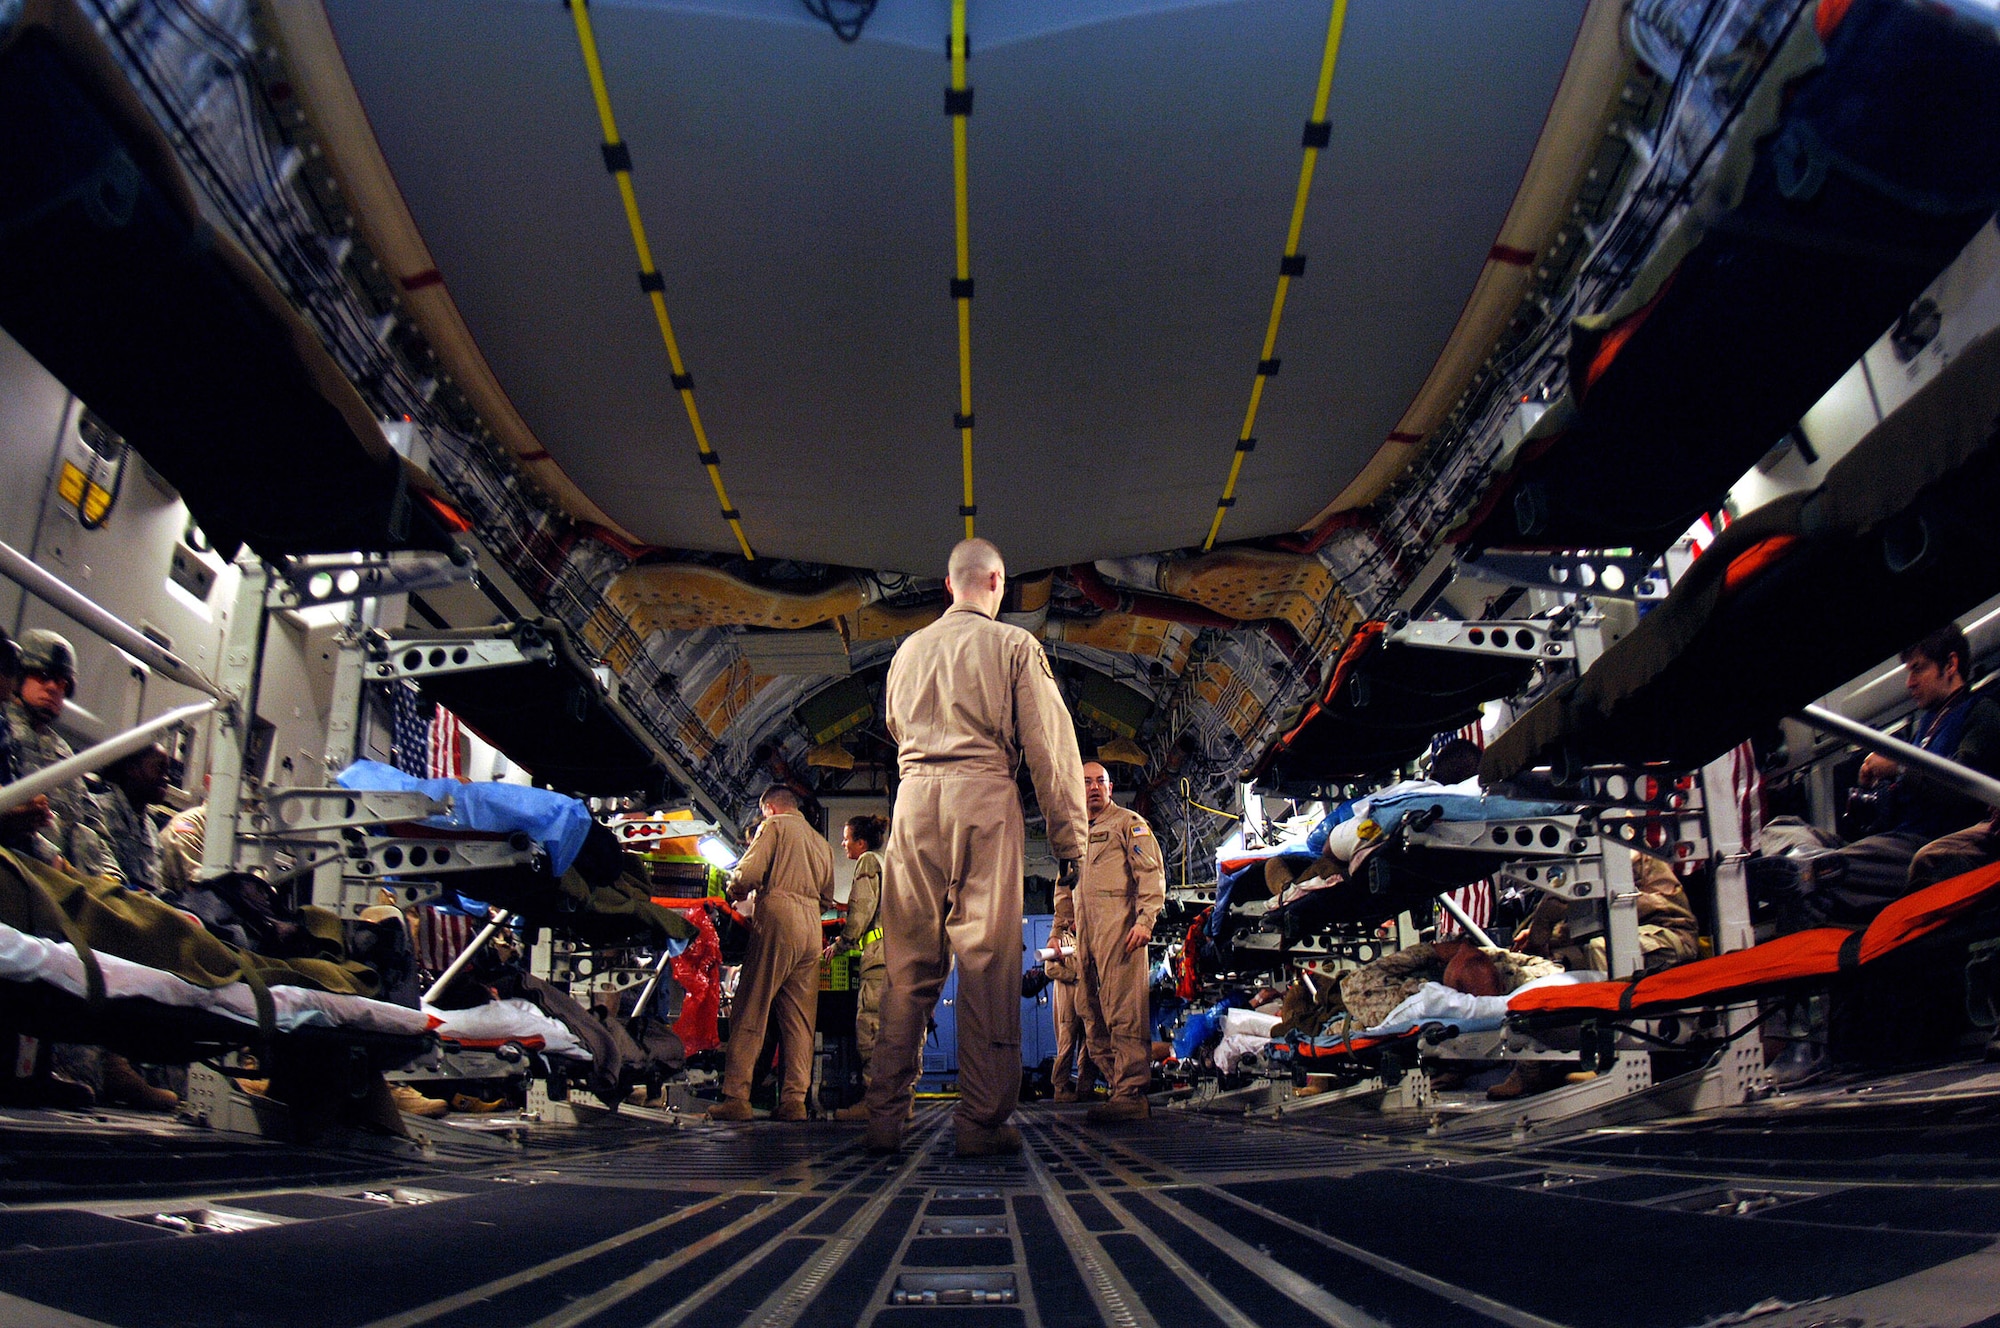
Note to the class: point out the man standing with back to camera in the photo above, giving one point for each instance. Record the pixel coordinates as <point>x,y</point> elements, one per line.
<point>968,699</point>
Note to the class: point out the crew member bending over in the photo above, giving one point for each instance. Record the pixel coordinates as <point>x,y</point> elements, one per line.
<point>1112,911</point>
<point>790,869</point>
<point>968,700</point>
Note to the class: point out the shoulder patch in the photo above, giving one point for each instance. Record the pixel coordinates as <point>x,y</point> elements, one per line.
<point>1042,658</point>
<point>1140,828</point>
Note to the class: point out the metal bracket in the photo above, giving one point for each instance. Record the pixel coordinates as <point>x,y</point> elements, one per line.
<point>334,579</point>
<point>1537,837</point>
<point>1565,878</point>
<point>1520,638</point>
<point>1612,576</point>
<point>425,658</point>
<point>304,811</point>
<point>373,858</point>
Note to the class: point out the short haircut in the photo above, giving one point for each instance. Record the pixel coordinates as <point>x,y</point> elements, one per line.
<point>1455,762</point>
<point>130,761</point>
<point>778,798</point>
<point>870,830</point>
<point>973,558</point>
<point>1941,645</point>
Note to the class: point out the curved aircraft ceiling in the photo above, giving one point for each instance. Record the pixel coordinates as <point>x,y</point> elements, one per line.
<point>1133,165</point>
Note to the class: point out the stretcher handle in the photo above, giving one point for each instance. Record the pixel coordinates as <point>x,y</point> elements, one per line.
<point>1959,779</point>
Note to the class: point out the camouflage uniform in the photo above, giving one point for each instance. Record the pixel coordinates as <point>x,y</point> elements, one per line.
<point>74,834</point>
<point>129,831</point>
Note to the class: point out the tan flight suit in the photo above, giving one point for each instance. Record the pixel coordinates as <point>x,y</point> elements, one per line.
<point>1072,1054</point>
<point>790,867</point>
<point>864,915</point>
<point>1124,885</point>
<point>968,700</point>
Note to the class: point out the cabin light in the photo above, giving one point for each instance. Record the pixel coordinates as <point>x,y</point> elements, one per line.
<point>716,850</point>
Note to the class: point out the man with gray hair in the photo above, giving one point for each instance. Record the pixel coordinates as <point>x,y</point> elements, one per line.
<point>969,699</point>
<point>789,867</point>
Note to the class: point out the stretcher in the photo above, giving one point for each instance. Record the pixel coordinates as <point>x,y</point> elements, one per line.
<point>1384,703</point>
<point>1860,165</point>
<point>1766,622</point>
<point>1802,960</point>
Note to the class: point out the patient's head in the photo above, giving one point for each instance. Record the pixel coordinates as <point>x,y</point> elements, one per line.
<point>1455,762</point>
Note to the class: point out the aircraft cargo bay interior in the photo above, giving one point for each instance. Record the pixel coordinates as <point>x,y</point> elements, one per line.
<point>951,664</point>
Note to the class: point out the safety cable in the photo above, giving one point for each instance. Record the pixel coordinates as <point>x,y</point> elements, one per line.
<point>958,105</point>
<point>618,161</point>
<point>1318,133</point>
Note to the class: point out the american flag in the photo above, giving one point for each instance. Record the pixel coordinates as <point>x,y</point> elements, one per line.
<point>1476,899</point>
<point>425,735</point>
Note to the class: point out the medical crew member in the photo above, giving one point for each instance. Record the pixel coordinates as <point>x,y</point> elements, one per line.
<point>861,839</point>
<point>968,699</point>
<point>1073,1073</point>
<point>1112,910</point>
<point>790,869</point>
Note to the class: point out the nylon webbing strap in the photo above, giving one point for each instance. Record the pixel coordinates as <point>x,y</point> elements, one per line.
<point>958,105</point>
<point>618,161</point>
<point>1849,957</point>
<point>869,938</point>
<point>1318,133</point>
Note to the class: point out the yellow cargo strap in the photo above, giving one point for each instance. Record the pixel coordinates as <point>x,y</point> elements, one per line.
<point>958,105</point>
<point>868,938</point>
<point>618,160</point>
<point>1318,133</point>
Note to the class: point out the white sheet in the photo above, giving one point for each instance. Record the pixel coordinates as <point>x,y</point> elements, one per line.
<point>1437,1002</point>
<point>25,958</point>
<point>508,1020</point>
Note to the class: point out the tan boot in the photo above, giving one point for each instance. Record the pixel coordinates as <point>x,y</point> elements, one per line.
<point>883,1138</point>
<point>857,1112</point>
<point>1064,1093</point>
<point>412,1103</point>
<point>790,1110</point>
<point>1119,1110</point>
<point>987,1141</point>
<point>731,1109</point>
<point>472,1106</point>
<point>125,1086</point>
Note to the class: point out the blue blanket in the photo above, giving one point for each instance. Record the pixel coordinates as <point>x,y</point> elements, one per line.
<point>554,820</point>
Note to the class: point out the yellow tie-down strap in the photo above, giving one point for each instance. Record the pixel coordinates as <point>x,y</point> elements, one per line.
<point>1318,133</point>
<point>618,160</point>
<point>958,105</point>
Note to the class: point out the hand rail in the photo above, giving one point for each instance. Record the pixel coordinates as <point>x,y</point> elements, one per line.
<point>1472,929</point>
<point>17,567</point>
<point>1958,778</point>
<point>96,758</point>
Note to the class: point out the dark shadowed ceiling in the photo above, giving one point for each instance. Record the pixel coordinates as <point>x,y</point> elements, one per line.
<point>1131,178</point>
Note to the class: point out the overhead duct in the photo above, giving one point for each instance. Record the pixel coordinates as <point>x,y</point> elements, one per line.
<point>1238,586</point>
<point>686,597</point>
<point>1126,633</point>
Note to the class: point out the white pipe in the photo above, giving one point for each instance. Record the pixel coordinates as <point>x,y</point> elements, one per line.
<point>1958,778</point>
<point>457,965</point>
<point>96,758</point>
<point>50,590</point>
<point>1472,928</point>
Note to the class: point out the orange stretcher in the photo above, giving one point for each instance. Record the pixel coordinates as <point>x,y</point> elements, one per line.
<point>1801,959</point>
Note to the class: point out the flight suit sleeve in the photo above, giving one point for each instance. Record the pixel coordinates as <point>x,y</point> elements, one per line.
<point>1149,873</point>
<point>755,867</point>
<point>864,899</point>
<point>1047,736</point>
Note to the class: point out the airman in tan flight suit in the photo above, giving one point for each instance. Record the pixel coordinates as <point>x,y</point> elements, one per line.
<point>1065,996</point>
<point>1112,911</point>
<point>968,700</point>
<point>790,869</point>
<point>861,839</point>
